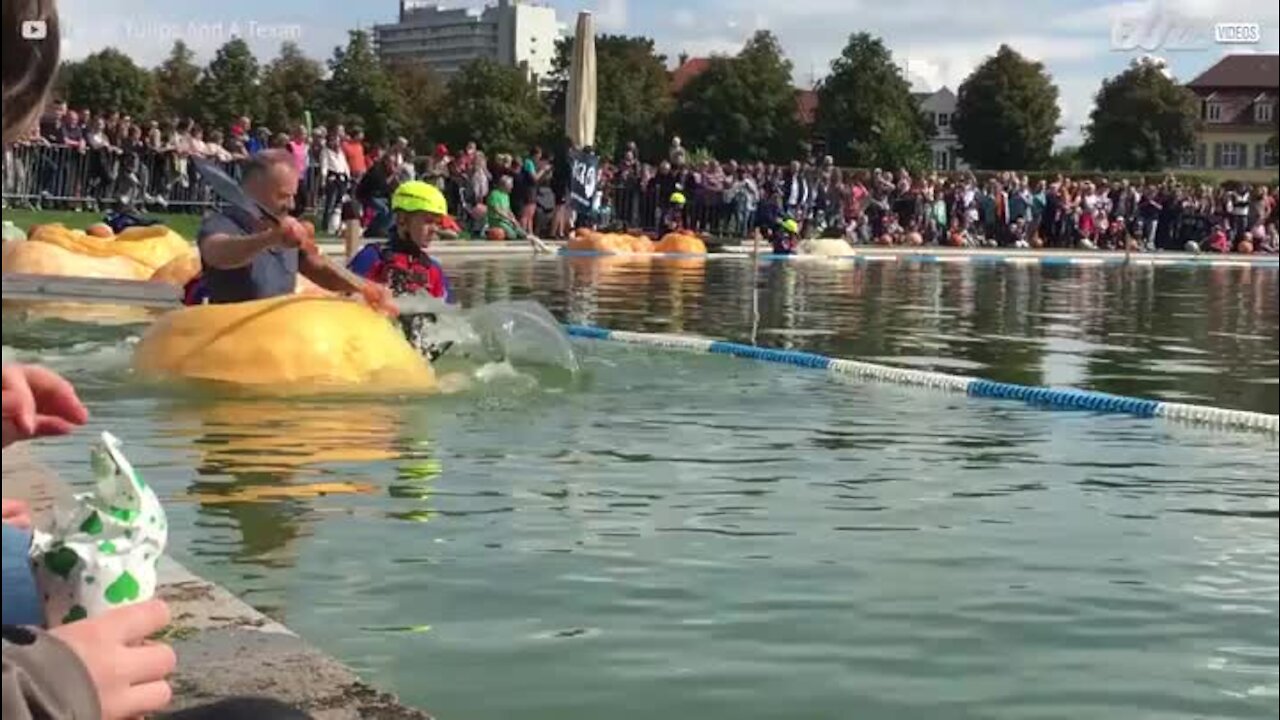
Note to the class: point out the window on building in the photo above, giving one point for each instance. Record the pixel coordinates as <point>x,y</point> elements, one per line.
<point>1232,155</point>
<point>1188,158</point>
<point>940,160</point>
<point>1264,112</point>
<point>944,120</point>
<point>1268,156</point>
<point>1213,112</point>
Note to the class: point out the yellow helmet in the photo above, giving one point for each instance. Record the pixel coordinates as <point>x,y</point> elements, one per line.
<point>677,198</point>
<point>791,226</point>
<point>417,196</point>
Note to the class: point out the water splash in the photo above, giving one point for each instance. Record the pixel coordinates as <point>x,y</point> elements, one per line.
<point>523,331</point>
<point>520,332</point>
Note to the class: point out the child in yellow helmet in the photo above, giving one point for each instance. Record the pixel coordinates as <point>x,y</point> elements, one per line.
<point>673,218</point>
<point>402,263</point>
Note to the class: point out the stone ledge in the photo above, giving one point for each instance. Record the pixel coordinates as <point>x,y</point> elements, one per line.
<point>224,646</point>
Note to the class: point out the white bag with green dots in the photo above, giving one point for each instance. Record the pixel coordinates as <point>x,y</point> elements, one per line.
<point>101,551</point>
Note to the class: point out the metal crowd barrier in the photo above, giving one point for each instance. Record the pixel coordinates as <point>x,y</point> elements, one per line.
<point>641,207</point>
<point>55,176</point>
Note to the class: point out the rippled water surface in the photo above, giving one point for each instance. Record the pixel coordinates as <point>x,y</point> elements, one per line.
<point>691,536</point>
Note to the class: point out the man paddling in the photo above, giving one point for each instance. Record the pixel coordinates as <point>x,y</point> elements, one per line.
<point>244,258</point>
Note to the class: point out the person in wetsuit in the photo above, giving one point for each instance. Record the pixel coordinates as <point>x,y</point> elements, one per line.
<point>402,263</point>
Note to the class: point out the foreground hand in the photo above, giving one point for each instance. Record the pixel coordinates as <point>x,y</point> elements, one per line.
<point>37,403</point>
<point>128,671</point>
<point>379,298</point>
<point>17,513</point>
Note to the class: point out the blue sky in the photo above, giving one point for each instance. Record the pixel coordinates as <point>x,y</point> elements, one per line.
<point>937,41</point>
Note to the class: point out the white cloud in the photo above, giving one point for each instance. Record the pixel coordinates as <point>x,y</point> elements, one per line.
<point>937,41</point>
<point>612,15</point>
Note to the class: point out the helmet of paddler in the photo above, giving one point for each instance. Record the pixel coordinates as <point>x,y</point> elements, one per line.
<point>417,196</point>
<point>791,226</point>
<point>677,198</point>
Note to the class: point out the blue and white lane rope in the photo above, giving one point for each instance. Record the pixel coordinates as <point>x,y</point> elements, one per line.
<point>1056,398</point>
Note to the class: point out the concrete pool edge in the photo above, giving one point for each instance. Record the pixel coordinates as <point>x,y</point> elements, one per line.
<point>1050,398</point>
<point>225,647</point>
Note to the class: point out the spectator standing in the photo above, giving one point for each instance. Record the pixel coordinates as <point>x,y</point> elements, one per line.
<point>51,121</point>
<point>257,140</point>
<point>524,192</point>
<point>745,198</point>
<point>1238,203</point>
<point>353,149</point>
<point>374,192</point>
<point>795,191</point>
<point>676,155</point>
<point>102,160</point>
<point>337,181</point>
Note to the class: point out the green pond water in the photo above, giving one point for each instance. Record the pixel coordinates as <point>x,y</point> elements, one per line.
<point>686,536</point>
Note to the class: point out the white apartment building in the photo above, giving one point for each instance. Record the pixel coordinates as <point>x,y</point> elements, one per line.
<point>513,33</point>
<point>939,108</point>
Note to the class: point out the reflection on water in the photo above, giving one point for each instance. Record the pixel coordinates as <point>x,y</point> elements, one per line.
<point>1206,335</point>
<point>728,539</point>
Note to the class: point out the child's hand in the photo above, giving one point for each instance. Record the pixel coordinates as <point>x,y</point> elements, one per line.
<point>17,513</point>
<point>37,403</point>
<point>127,670</point>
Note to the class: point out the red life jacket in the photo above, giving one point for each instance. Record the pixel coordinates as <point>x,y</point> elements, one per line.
<point>409,274</point>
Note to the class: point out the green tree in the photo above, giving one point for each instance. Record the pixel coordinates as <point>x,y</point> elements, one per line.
<point>744,106</point>
<point>1007,113</point>
<point>866,110</point>
<point>496,106</point>
<point>360,91</point>
<point>108,80</point>
<point>229,86</point>
<point>422,95</point>
<point>291,85</point>
<point>633,100</point>
<point>1141,120</point>
<point>175,81</point>
<point>1068,159</point>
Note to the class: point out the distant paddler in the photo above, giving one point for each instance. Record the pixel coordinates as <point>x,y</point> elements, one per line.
<point>247,258</point>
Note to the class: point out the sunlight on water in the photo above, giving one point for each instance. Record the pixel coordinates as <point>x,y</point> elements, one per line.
<point>581,524</point>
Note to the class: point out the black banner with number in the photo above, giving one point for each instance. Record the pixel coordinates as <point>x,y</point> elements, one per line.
<point>585,176</point>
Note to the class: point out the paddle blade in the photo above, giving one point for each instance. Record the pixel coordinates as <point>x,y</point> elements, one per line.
<point>226,188</point>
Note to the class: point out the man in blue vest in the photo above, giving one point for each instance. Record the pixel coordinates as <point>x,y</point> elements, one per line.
<point>243,258</point>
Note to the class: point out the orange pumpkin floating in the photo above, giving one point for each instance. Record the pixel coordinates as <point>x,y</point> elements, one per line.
<point>496,233</point>
<point>640,244</point>
<point>680,244</point>
<point>178,271</point>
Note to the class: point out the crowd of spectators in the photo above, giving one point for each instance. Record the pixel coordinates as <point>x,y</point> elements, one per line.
<point>112,157</point>
<point>957,209</point>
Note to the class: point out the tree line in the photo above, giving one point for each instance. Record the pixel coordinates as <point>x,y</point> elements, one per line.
<point>742,106</point>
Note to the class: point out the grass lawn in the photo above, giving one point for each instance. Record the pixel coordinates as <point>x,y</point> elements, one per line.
<point>185,224</point>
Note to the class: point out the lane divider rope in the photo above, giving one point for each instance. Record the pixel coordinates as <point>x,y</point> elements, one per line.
<point>1048,397</point>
